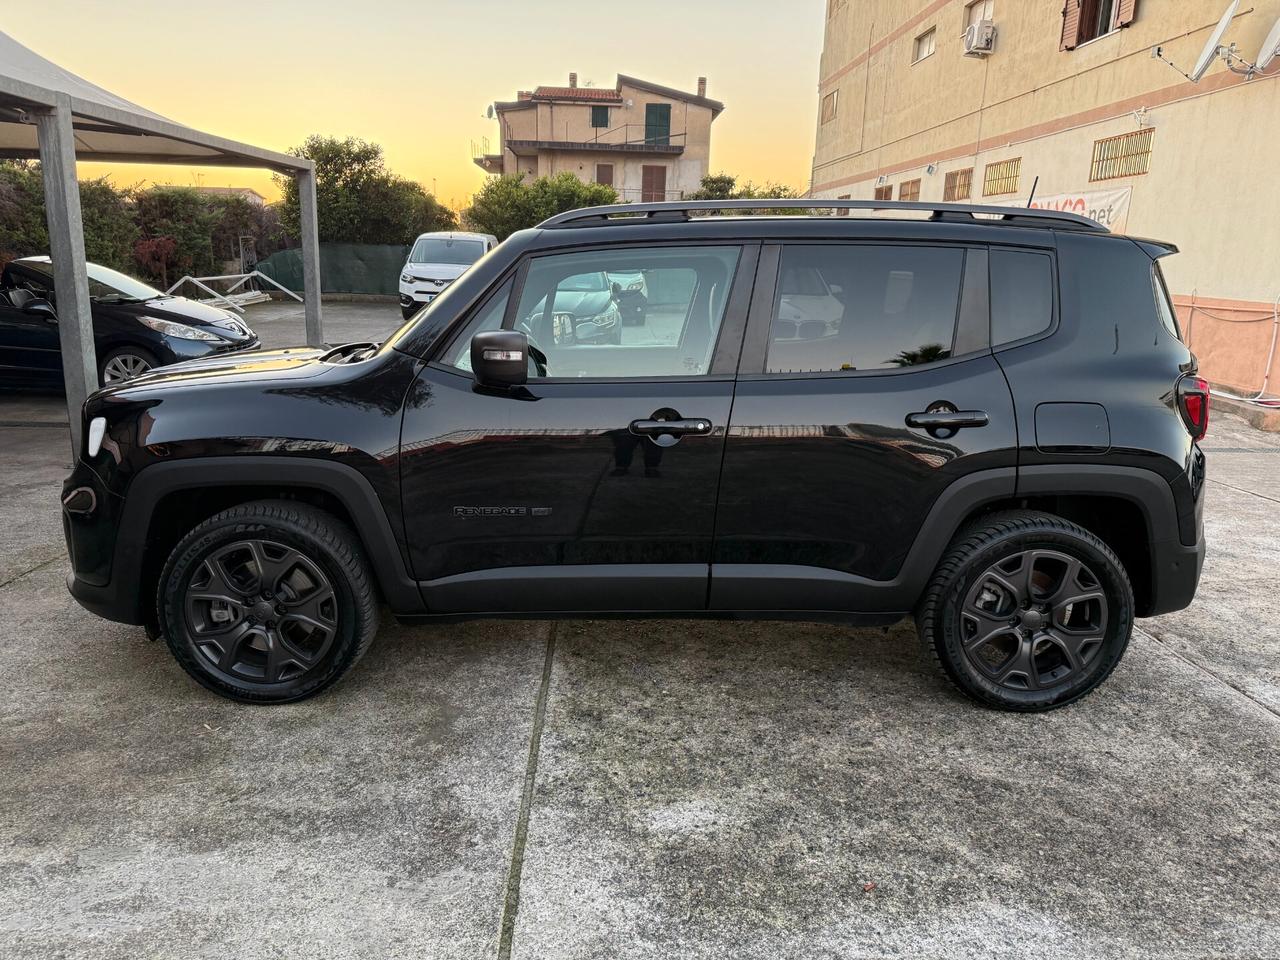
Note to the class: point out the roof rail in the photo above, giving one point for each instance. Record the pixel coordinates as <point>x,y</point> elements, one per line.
<point>682,210</point>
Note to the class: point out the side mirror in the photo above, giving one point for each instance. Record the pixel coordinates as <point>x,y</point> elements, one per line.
<point>40,308</point>
<point>500,358</point>
<point>617,290</point>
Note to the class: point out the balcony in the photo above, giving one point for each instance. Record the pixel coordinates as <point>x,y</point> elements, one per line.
<point>632,138</point>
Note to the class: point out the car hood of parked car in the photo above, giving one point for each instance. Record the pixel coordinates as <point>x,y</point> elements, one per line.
<point>436,271</point>
<point>182,310</point>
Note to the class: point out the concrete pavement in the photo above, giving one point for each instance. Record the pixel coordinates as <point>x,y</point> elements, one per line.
<point>698,789</point>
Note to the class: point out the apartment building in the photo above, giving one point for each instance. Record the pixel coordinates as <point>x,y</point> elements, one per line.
<point>1065,97</point>
<point>648,141</point>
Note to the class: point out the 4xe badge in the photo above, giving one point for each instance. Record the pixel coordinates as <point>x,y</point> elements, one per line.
<point>468,513</point>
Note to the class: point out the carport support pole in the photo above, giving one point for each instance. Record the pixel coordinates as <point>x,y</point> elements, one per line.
<point>66,248</point>
<point>310,240</point>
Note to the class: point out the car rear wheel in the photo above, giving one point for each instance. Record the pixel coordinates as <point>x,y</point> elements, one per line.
<point>268,602</point>
<point>1027,612</point>
<point>125,363</point>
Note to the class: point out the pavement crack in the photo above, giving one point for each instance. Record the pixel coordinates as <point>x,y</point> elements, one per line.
<point>39,566</point>
<point>1172,651</point>
<point>1252,493</point>
<point>511,902</point>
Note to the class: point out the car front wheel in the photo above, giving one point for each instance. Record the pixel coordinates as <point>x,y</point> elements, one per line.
<point>268,602</point>
<point>1027,612</point>
<point>125,363</point>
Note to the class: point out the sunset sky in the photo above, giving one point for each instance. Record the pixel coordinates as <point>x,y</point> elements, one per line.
<point>416,76</point>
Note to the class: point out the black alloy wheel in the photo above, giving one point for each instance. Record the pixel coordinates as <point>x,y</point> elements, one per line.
<point>261,612</point>
<point>268,602</point>
<point>1034,619</point>
<point>1027,611</point>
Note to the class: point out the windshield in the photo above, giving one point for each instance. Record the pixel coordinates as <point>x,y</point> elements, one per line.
<point>446,250</point>
<point>105,285</point>
<point>585,283</point>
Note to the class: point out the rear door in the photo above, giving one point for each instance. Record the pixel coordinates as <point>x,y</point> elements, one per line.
<point>593,487</point>
<point>844,432</point>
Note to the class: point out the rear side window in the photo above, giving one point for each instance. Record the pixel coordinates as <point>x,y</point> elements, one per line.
<point>863,307</point>
<point>1163,304</point>
<point>1021,295</point>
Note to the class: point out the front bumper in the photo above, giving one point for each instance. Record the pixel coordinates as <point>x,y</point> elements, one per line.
<point>91,524</point>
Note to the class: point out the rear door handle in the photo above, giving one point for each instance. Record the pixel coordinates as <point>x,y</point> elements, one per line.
<point>653,428</point>
<point>947,419</point>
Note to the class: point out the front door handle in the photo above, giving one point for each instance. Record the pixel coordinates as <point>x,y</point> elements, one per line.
<point>947,419</point>
<point>654,428</point>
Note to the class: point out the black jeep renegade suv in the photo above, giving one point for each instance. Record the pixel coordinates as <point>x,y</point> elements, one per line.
<point>981,417</point>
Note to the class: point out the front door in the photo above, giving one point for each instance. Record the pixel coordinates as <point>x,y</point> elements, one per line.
<point>835,456</point>
<point>30,354</point>
<point>594,487</point>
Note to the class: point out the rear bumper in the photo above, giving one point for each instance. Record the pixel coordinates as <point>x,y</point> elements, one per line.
<point>1175,574</point>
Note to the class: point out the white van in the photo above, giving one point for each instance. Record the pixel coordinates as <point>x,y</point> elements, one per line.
<point>435,261</point>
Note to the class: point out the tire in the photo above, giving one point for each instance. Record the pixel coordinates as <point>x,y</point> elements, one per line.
<point>116,364</point>
<point>1025,637</point>
<point>317,625</point>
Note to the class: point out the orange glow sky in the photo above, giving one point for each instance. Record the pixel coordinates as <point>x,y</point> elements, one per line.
<point>416,76</point>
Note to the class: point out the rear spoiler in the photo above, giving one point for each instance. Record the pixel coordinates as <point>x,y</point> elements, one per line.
<point>1155,249</point>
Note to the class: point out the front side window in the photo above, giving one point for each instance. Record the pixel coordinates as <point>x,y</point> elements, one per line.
<point>856,307</point>
<point>1021,294</point>
<point>488,317</point>
<point>640,312</point>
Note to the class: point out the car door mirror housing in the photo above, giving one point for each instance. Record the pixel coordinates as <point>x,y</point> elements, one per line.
<point>500,358</point>
<point>40,308</point>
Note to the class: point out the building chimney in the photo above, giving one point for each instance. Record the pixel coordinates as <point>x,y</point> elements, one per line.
<point>702,86</point>
<point>573,81</point>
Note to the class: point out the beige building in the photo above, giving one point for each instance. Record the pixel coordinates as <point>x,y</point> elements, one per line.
<point>1069,100</point>
<point>647,141</point>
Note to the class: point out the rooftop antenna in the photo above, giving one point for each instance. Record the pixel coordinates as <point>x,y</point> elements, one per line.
<point>1215,49</point>
<point>1034,183</point>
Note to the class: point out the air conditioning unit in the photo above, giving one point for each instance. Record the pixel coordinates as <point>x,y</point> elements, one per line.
<point>979,38</point>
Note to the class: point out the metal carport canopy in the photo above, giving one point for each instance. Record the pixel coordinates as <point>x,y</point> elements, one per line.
<point>50,114</point>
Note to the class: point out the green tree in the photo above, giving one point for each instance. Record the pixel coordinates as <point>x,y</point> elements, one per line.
<point>358,200</point>
<point>723,186</point>
<point>507,204</point>
<point>184,215</point>
<point>109,230</point>
<point>926,353</point>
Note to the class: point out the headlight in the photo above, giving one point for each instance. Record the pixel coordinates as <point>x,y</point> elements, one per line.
<point>638,285</point>
<point>406,278</point>
<point>606,319</point>
<point>182,331</point>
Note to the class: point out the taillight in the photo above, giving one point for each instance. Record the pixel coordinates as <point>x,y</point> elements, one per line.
<point>1193,404</point>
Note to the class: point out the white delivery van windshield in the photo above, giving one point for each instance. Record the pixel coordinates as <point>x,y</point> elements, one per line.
<point>446,250</point>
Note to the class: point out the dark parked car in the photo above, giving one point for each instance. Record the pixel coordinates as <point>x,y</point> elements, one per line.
<point>135,326</point>
<point>996,434</point>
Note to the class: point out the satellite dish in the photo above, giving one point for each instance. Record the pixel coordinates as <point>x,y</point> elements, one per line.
<point>1210,50</point>
<point>489,113</point>
<point>1270,47</point>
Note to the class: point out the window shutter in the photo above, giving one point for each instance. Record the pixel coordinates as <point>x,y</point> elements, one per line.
<point>1070,25</point>
<point>1126,12</point>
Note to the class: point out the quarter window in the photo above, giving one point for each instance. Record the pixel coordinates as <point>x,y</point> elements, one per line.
<point>1021,294</point>
<point>489,317</point>
<point>852,307</point>
<point>641,312</point>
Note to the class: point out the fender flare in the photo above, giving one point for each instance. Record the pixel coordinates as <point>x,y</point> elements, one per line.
<point>339,480</point>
